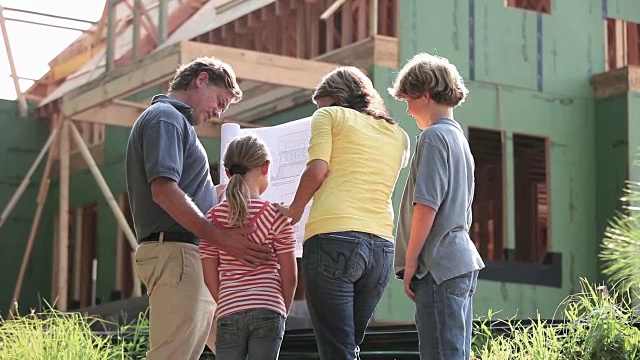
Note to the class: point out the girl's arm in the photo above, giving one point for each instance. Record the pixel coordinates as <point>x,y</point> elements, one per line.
<point>288,276</point>
<point>211,275</point>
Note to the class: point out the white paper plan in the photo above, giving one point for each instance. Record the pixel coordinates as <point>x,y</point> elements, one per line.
<point>288,145</point>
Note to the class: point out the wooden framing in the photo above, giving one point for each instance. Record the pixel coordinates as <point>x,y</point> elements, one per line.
<point>617,81</point>
<point>264,99</point>
<point>260,59</point>
<point>160,67</point>
<point>22,102</point>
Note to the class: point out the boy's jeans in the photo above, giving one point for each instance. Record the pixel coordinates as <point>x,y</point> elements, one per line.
<point>345,275</point>
<point>444,316</point>
<point>254,334</point>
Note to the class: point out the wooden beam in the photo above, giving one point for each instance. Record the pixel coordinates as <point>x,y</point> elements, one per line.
<point>151,70</point>
<point>22,102</point>
<point>49,15</point>
<point>63,213</point>
<point>48,25</point>
<point>616,82</point>
<point>110,114</point>
<point>97,36</point>
<point>146,20</point>
<point>373,17</point>
<point>346,29</point>
<point>111,36</point>
<point>332,9</point>
<point>261,67</point>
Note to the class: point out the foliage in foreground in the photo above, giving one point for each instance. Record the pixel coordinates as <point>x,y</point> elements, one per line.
<point>597,325</point>
<point>54,335</point>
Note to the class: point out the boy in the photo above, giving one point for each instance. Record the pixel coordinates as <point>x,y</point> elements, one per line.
<point>440,261</point>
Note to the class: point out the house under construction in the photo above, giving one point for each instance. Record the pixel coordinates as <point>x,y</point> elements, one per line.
<point>554,101</point>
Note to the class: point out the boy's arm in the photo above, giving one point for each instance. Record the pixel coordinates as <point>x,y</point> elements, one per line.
<point>421,223</point>
<point>432,181</point>
<point>288,276</point>
<point>211,275</point>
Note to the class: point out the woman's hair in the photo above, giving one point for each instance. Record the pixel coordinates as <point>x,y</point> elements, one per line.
<point>351,88</point>
<point>243,155</point>
<point>433,75</point>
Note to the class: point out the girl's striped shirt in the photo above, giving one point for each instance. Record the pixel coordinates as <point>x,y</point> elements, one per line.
<point>243,287</point>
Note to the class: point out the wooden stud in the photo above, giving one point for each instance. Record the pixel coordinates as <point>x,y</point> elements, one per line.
<point>282,8</point>
<point>621,43</point>
<point>363,15</point>
<point>314,31</point>
<point>63,213</point>
<point>332,9</point>
<point>301,32</point>
<point>373,17</point>
<point>104,187</point>
<point>633,43</point>
<point>146,20</point>
<point>346,32</point>
<point>22,102</point>
<point>40,200</point>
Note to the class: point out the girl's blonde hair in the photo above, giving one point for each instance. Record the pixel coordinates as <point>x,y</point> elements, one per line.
<point>351,88</point>
<point>433,75</point>
<point>243,155</point>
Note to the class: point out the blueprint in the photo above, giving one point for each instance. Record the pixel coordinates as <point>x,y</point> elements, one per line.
<point>288,144</point>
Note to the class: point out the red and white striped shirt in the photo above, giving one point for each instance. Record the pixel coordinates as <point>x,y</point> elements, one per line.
<point>243,287</point>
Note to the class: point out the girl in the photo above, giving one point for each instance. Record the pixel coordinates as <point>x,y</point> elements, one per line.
<point>252,303</point>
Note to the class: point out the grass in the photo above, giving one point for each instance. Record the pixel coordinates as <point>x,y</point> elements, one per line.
<point>597,325</point>
<point>54,335</point>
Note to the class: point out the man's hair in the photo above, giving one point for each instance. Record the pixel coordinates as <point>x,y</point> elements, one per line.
<point>220,74</point>
<point>432,75</point>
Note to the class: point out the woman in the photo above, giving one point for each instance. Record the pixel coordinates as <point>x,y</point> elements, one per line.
<point>356,151</point>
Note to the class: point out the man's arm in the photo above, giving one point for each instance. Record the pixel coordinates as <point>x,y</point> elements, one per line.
<point>182,209</point>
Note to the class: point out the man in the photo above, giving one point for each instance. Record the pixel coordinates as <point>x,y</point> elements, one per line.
<point>170,188</point>
<point>440,261</point>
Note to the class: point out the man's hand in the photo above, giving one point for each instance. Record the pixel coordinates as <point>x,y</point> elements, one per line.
<point>235,243</point>
<point>409,271</point>
<point>292,212</point>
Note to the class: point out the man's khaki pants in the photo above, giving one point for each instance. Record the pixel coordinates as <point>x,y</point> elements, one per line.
<point>181,306</point>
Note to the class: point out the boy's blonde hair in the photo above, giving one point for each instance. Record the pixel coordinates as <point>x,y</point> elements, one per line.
<point>432,75</point>
<point>243,155</point>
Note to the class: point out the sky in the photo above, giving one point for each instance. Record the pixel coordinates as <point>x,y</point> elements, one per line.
<point>33,46</point>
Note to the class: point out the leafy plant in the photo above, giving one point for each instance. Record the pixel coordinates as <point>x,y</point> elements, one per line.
<point>621,244</point>
<point>597,325</point>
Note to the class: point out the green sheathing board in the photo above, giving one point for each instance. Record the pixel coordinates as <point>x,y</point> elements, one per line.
<point>505,94</point>
<point>634,136</point>
<point>612,157</point>
<point>623,9</point>
<point>572,46</point>
<point>20,143</point>
<point>492,43</point>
